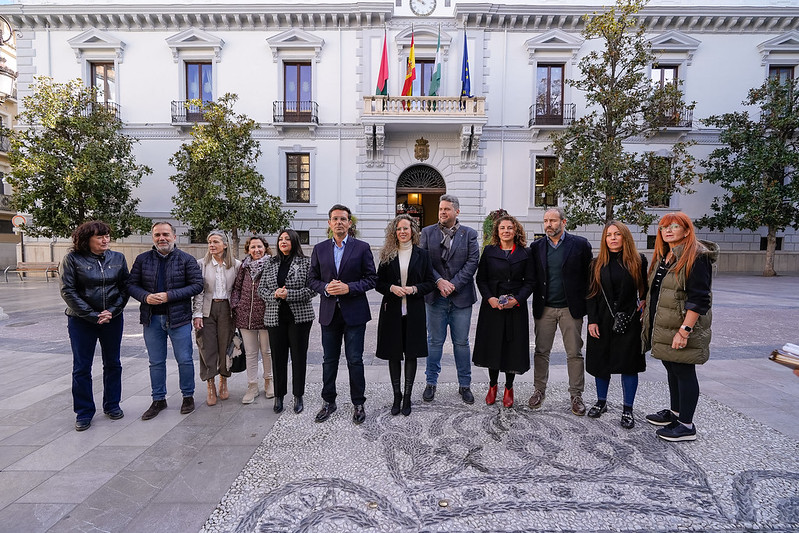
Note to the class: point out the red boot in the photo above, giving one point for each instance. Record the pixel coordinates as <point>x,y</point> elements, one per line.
<point>491,397</point>
<point>507,399</point>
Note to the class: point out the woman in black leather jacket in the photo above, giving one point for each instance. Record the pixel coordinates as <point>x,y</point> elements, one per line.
<point>93,286</point>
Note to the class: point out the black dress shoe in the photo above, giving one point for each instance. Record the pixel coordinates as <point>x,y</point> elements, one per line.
<point>156,407</point>
<point>115,414</point>
<point>278,408</point>
<point>466,394</point>
<point>187,406</point>
<point>429,393</point>
<point>298,405</point>
<point>325,412</point>
<point>359,415</point>
<point>82,425</point>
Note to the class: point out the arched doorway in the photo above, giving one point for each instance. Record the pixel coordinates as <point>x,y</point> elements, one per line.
<point>418,190</point>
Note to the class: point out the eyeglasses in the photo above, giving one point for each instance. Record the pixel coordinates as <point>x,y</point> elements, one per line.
<point>672,227</point>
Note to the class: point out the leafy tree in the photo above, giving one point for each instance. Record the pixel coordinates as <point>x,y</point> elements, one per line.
<point>70,162</point>
<point>757,167</point>
<point>218,186</point>
<point>598,178</point>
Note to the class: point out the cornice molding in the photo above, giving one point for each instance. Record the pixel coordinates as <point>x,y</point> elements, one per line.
<point>486,16</point>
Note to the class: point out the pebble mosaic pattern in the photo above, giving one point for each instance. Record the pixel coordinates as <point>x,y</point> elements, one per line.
<point>454,467</point>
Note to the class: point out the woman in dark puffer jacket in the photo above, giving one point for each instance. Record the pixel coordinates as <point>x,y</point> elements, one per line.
<point>93,282</point>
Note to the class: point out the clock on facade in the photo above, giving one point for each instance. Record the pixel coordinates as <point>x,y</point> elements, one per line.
<point>423,8</point>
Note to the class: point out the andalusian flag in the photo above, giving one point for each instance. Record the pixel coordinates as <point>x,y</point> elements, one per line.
<point>435,80</point>
<point>466,84</point>
<point>382,76</point>
<point>410,71</point>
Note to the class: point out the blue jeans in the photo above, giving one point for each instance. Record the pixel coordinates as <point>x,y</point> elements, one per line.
<point>440,314</point>
<point>83,336</point>
<point>155,336</point>
<point>629,386</point>
<point>353,336</point>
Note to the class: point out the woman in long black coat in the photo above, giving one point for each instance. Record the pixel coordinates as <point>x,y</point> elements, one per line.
<point>505,279</point>
<point>618,281</point>
<point>404,276</point>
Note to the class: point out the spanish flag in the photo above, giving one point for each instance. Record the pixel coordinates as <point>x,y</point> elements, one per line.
<point>410,71</point>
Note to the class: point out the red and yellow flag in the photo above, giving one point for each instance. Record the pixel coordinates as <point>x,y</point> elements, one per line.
<point>410,71</point>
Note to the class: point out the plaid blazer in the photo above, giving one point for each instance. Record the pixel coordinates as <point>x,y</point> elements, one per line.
<point>299,294</point>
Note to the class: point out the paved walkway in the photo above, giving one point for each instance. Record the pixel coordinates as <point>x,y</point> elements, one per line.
<point>220,464</point>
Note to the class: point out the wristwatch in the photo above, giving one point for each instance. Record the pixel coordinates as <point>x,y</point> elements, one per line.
<point>689,329</point>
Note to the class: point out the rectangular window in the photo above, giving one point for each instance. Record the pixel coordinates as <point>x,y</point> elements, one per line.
<point>103,79</point>
<point>549,94</point>
<point>663,75</point>
<point>297,92</point>
<point>783,73</point>
<point>199,84</point>
<point>659,186</point>
<point>764,243</point>
<point>298,179</point>
<point>545,168</point>
<point>424,74</point>
<point>305,236</point>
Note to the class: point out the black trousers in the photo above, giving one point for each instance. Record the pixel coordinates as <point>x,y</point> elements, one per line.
<point>683,389</point>
<point>293,337</point>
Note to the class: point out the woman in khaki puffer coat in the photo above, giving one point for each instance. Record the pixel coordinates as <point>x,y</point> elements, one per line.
<point>678,319</point>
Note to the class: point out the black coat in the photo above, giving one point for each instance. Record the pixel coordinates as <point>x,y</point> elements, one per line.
<point>389,327</point>
<point>576,262</point>
<point>502,340</point>
<point>612,353</point>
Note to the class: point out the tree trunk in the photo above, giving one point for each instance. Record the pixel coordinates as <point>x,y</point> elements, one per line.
<point>235,240</point>
<point>771,248</point>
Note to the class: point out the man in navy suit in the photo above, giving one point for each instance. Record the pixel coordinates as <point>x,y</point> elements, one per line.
<point>342,270</point>
<point>562,263</point>
<point>455,254</point>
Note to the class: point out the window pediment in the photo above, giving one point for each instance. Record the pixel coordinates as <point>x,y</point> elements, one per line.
<point>424,37</point>
<point>97,44</point>
<point>554,41</point>
<point>296,42</point>
<point>674,44</point>
<point>782,47</point>
<point>194,39</point>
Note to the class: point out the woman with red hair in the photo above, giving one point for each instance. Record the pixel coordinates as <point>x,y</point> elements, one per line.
<point>678,324</point>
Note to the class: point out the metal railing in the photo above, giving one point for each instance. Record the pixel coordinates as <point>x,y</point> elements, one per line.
<point>5,146</point>
<point>679,117</point>
<point>293,111</point>
<point>441,106</point>
<point>546,116</point>
<point>183,114</point>
<point>111,107</point>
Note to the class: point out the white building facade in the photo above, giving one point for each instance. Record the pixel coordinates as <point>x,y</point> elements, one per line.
<point>307,73</point>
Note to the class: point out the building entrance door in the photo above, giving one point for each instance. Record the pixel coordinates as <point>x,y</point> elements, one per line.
<point>418,190</point>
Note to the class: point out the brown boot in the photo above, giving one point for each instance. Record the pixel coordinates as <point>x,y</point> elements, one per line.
<point>223,392</point>
<point>211,392</point>
<point>269,387</point>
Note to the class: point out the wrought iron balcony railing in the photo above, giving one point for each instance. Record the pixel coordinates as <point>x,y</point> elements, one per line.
<point>293,111</point>
<point>185,114</point>
<point>679,117</point>
<point>541,115</point>
<point>111,107</point>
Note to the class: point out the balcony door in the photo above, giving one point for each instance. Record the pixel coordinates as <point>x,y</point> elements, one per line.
<point>103,80</point>
<point>297,98</point>
<point>549,94</point>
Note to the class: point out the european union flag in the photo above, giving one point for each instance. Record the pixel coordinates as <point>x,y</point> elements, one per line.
<point>466,86</point>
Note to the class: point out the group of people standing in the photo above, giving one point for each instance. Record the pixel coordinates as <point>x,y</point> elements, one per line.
<point>427,282</point>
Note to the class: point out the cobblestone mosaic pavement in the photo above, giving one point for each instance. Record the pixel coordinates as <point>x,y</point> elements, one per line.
<point>454,467</point>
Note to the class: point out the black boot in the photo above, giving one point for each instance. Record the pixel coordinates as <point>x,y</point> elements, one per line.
<point>394,373</point>
<point>410,376</point>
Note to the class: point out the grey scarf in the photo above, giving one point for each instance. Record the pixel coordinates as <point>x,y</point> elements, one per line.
<point>447,234</point>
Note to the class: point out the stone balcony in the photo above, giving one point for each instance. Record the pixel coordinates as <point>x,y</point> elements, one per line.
<point>386,114</point>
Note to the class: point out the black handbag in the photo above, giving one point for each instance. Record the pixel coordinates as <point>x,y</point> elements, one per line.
<point>236,356</point>
<point>621,320</point>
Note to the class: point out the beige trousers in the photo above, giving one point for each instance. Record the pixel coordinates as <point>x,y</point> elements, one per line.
<point>570,330</point>
<point>256,340</point>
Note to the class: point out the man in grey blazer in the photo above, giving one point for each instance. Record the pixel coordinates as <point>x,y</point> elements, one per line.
<point>455,253</point>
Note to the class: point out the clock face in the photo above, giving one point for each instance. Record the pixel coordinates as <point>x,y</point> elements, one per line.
<point>423,7</point>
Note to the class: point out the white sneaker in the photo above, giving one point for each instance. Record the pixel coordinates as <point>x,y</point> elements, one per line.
<point>251,394</point>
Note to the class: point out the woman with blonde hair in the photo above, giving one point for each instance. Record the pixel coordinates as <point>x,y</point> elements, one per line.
<point>248,312</point>
<point>505,279</point>
<point>213,320</point>
<point>404,276</point>
<point>677,327</point>
<point>617,289</point>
